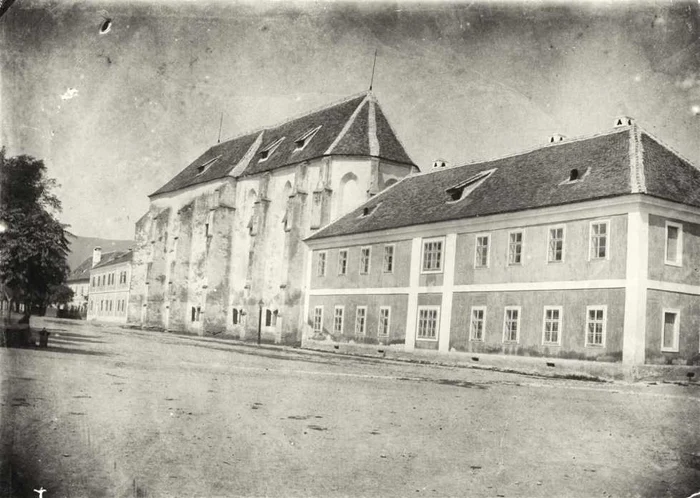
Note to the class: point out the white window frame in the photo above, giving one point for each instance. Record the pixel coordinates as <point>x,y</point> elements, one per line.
<point>605,325</point>
<point>364,320</point>
<point>505,329</point>
<point>321,263</point>
<point>522,245</point>
<point>369,260</point>
<point>393,258</point>
<point>675,348</point>
<point>437,323</point>
<point>342,319</point>
<point>545,342</point>
<point>442,254</point>
<point>563,243</point>
<point>388,322</point>
<point>320,317</point>
<point>340,251</point>
<point>471,323</point>
<point>476,250</point>
<point>591,256</point>
<point>679,260</point>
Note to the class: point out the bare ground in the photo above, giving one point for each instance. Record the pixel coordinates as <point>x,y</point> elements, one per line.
<point>110,412</point>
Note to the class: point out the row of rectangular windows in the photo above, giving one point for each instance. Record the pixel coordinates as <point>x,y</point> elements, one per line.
<point>108,279</point>
<point>429,319</point>
<point>108,305</point>
<point>432,255</point>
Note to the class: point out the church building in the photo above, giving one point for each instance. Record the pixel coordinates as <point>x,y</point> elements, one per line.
<point>220,249</point>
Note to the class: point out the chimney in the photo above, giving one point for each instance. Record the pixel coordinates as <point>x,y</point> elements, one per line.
<point>96,255</point>
<point>621,121</point>
<point>557,137</point>
<point>440,164</point>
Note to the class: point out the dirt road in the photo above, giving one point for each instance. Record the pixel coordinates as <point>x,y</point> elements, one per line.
<point>111,412</point>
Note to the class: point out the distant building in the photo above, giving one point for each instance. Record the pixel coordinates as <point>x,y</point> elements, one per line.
<point>79,282</point>
<point>110,279</point>
<point>585,248</point>
<point>220,249</point>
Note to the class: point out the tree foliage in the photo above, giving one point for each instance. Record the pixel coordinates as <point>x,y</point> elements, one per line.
<point>33,248</point>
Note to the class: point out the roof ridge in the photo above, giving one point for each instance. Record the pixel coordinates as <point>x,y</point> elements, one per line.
<point>300,115</point>
<point>638,182</point>
<point>346,127</point>
<point>526,151</point>
<point>664,144</point>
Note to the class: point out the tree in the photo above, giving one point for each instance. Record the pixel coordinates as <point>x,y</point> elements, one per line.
<point>33,245</point>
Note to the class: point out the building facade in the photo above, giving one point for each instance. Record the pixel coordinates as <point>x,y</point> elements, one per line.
<point>110,280</point>
<point>220,250</point>
<point>582,249</point>
<point>79,282</point>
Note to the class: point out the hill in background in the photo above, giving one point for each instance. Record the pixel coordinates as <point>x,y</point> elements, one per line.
<point>81,247</point>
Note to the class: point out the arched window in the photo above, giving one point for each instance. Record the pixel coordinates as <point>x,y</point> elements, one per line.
<point>350,195</point>
<point>235,316</point>
<point>268,317</point>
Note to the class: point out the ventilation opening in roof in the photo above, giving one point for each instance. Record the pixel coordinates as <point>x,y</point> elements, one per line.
<point>202,168</point>
<point>573,175</point>
<point>368,210</point>
<point>304,139</point>
<point>463,189</point>
<point>623,121</point>
<point>266,152</point>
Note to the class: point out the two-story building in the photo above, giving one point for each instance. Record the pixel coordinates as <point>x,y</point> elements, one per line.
<point>79,282</point>
<point>220,250</point>
<point>110,280</point>
<point>585,248</point>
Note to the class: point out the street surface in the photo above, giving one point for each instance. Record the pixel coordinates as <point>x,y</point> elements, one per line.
<point>111,412</point>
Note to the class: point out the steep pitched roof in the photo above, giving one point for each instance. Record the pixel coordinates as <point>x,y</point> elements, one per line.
<point>82,272</point>
<point>114,258</point>
<point>624,161</point>
<point>354,126</point>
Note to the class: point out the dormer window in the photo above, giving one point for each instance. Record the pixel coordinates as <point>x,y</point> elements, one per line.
<point>267,151</point>
<point>202,168</point>
<point>304,139</point>
<point>573,175</point>
<point>462,190</point>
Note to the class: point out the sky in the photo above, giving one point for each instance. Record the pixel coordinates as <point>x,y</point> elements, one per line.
<point>116,115</point>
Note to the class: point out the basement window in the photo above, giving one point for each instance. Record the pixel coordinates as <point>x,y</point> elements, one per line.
<point>267,151</point>
<point>463,189</point>
<point>201,169</point>
<point>304,139</point>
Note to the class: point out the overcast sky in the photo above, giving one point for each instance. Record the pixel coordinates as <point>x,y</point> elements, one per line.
<point>116,115</point>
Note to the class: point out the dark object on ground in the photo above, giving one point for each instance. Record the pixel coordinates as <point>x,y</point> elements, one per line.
<point>44,338</point>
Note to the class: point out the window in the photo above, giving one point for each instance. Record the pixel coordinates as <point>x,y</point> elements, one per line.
<point>551,333</point>
<point>481,257</point>
<point>477,323</point>
<point>600,232</point>
<point>428,322</point>
<point>595,325</point>
<point>462,190</point>
<point>384,320</point>
<point>674,243</point>
<point>94,281</point>
<point>268,317</point>
<point>511,324</point>
<point>318,320</point>
<point>670,330</point>
<point>515,248</point>
<point>365,254</point>
<point>338,315</point>
<point>389,258</point>
<point>196,313</point>
<point>342,262</point>
<point>234,314</point>
<point>209,225</point>
<point>201,169</point>
<point>432,256</point>
<point>555,252</point>
<point>321,264</point>
<point>361,320</point>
